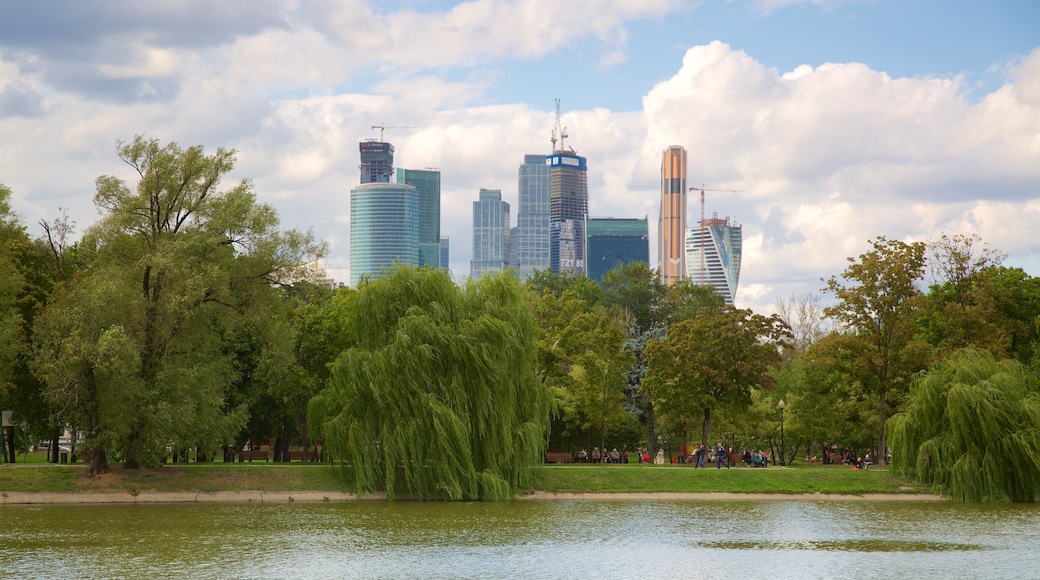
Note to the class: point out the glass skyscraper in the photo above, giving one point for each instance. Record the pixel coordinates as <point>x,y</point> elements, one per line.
<point>671,229</point>
<point>568,210</point>
<point>427,184</point>
<point>713,255</point>
<point>613,242</point>
<point>490,234</point>
<point>377,162</point>
<point>531,246</point>
<point>384,228</point>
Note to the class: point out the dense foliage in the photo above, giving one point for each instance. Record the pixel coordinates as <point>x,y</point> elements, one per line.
<point>437,394</point>
<point>972,429</point>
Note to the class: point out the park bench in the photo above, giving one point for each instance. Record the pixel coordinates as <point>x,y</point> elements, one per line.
<point>298,455</point>
<point>251,455</point>
<point>559,457</point>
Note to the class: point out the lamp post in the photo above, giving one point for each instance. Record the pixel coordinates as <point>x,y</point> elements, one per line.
<point>781,406</point>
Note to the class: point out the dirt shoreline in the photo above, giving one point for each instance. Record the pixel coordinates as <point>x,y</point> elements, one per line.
<point>33,498</point>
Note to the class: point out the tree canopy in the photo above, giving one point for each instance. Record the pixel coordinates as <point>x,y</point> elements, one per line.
<point>437,393</point>
<point>972,429</point>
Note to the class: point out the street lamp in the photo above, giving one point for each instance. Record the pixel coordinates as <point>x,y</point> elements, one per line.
<point>781,406</point>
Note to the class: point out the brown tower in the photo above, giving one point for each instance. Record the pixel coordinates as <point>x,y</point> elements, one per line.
<point>671,229</point>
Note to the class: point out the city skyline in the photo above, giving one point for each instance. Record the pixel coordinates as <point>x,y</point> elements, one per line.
<point>832,134</point>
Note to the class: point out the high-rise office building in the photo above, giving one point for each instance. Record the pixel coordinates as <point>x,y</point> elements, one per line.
<point>427,184</point>
<point>445,251</point>
<point>568,210</point>
<point>377,162</point>
<point>490,234</point>
<point>613,242</point>
<point>384,228</point>
<point>671,229</point>
<point>531,245</point>
<point>713,253</point>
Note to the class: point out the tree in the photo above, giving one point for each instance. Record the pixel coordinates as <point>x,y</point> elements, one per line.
<point>878,306</point>
<point>972,429</point>
<point>804,315</point>
<point>188,266</point>
<point>437,394</point>
<point>712,362</point>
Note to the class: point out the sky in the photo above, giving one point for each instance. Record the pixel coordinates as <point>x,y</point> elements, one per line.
<point>838,121</point>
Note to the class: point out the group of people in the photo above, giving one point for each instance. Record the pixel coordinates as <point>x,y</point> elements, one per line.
<point>832,456</point>
<point>604,456</point>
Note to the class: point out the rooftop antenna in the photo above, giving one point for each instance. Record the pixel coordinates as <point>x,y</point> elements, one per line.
<point>559,131</point>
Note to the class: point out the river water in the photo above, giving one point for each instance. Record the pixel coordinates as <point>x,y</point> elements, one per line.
<point>522,540</point>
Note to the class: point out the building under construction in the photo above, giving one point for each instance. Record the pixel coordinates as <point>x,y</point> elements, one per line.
<point>568,204</point>
<point>713,252</point>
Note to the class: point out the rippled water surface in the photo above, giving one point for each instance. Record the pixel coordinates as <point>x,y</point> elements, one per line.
<point>551,539</point>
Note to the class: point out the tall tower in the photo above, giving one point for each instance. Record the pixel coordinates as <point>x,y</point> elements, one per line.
<point>384,228</point>
<point>490,234</point>
<point>671,229</point>
<point>713,253</point>
<point>531,247</point>
<point>568,204</point>
<point>427,184</point>
<point>377,162</point>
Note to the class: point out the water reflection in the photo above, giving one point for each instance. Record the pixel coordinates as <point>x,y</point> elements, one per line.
<point>552,539</point>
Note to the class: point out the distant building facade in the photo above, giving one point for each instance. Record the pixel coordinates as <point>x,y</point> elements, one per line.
<point>671,229</point>
<point>490,234</point>
<point>713,253</point>
<point>613,242</point>
<point>377,162</point>
<point>384,228</point>
<point>427,184</point>
<point>531,244</point>
<point>568,210</point>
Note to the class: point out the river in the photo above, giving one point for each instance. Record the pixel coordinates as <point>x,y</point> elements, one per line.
<point>522,540</point>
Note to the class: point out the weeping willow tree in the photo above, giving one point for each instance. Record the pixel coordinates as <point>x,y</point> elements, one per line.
<point>972,430</point>
<point>436,395</point>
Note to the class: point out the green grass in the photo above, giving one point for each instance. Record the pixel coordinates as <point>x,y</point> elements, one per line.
<point>685,479</point>
<point>212,477</point>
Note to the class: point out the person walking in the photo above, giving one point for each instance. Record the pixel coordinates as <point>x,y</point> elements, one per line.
<point>701,452</point>
<point>720,457</point>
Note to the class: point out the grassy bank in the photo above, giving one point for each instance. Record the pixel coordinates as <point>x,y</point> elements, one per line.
<point>567,478</point>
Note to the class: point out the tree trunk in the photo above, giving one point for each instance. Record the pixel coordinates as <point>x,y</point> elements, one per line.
<point>883,459</point>
<point>651,427</point>
<point>95,445</point>
<point>706,427</point>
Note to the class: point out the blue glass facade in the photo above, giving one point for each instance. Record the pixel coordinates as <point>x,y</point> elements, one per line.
<point>384,228</point>
<point>490,234</point>
<point>531,247</point>
<point>613,242</point>
<point>427,184</point>
<point>713,254</point>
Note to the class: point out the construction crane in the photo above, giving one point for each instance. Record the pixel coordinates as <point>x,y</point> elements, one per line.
<point>383,128</point>
<point>704,266</point>
<point>559,132</point>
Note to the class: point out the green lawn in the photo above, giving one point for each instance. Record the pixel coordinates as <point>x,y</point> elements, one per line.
<point>209,477</point>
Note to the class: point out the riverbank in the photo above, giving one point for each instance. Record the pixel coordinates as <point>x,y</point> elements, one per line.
<point>283,483</point>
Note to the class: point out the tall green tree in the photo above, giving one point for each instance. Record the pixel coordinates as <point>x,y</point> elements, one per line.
<point>972,429</point>
<point>877,301</point>
<point>712,362</point>
<point>188,264</point>
<point>437,394</point>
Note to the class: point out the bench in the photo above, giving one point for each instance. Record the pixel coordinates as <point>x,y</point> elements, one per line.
<point>251,455</point>
<point>298,455</point>
<point>559,457</point>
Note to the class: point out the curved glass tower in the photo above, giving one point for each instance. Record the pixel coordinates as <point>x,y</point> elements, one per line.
<point>713,255</point>
<point>384,228</point>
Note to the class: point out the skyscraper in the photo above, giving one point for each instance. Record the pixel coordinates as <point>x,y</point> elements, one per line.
<point>713,255</point>
<point>671,229</point>
<point>377,162</point>
<point>568,210</point>
<point>531,246</point>
<point>490,234</point>
<point>427,184</point>
<point>384,228</point>
<point>613,242</point>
